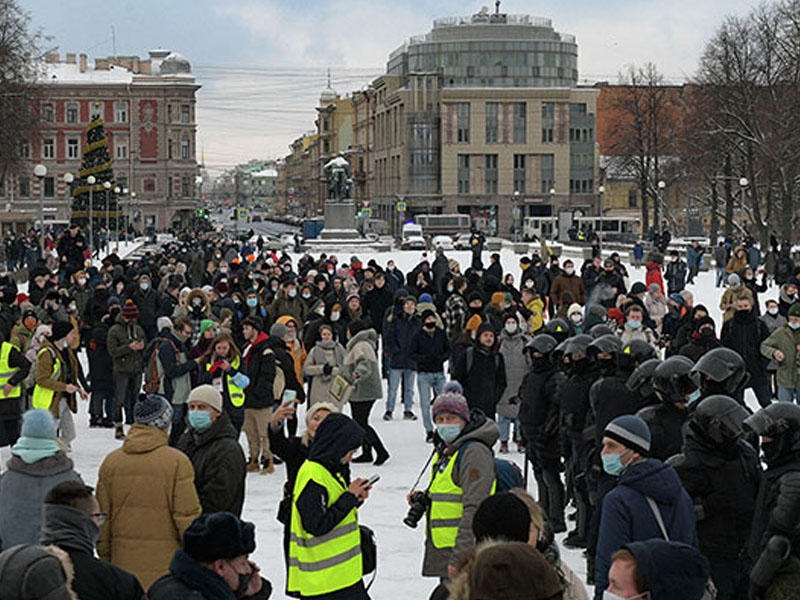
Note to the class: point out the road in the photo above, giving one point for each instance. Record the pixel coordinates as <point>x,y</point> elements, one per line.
<point>266,228</point>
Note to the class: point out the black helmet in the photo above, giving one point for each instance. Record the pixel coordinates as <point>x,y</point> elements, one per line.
<point>671,380</point>
<point>635,353</point>
<point>577,344</point>
<point>542,343</point>
<point>720,370</point>
<point>641,381</point>
<point>600,329</point>
<point>717,421</point>
<point>605,344</point>
<point>559,329</point>
<point>781,422</point>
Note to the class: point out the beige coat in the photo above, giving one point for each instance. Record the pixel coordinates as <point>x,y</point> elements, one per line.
<point>147,489</point>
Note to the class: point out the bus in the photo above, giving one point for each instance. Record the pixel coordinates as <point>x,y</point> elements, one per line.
<point>612,229</point>
<point>452,224</point>
<point>536,228</point>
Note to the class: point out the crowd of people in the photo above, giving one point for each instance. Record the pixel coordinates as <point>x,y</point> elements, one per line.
<point>622,395</point>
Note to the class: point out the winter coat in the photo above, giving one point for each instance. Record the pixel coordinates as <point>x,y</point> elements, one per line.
<point>654,275</point>
<point>101,365</point>
<point>727,303</point>
<point>675,274</point>
<point>744,334</point>
<point>773,322</point>
<point>698,346</point>
<point>361,367</point>
<point>665,422</point>
<point>323,353</point>
<point>785,301</point>
<point>627,517</point>
<point>120,334</point>
<point>723,484</point>
<point>627,334</point>
<point>177,366</point>
<point>482,374</point>
<point>147,489</point>
<point>398,331</point>
<point>22,490</point>
<point>282,305</point>
<point>21,337</point>
<point>430,350</point>
<point>295,347</point>
<point>147,303</point>
<point>657,306</point>
<point>474,476</point>
<point>259,361</point>
<point>538,411</point>
<point>610,398</point>
<point>609,285</point>
<point>786,340</point>
<point>219,465</point>
<point>375,302</point>
<point>567,283</point>
<point>517,363</point>
<point>736,264</point>
<point>44,375</point>
<point>720,255</point>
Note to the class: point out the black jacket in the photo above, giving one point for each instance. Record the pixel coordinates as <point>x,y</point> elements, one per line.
<point>665,421</point>
<point>260,368</point>
<point>777,506</point>
<point>101,366</point>
<point>538,411</point>
<point>482,374</point>
<point>744,334</point>
<point>219,466</point>
<point>147,303</point>
<point>430,350</point>
<point>376,301</point>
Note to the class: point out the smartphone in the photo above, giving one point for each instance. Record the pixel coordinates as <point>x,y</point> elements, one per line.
<point>374,479</point>
<point>289,397</point>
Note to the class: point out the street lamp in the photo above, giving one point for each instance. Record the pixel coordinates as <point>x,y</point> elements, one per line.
<point>91,181</point>
<point>553,235</point>
<point>107,185</point>
<point>131,199</point>
<point>116,212</point>
<point>516,212</point>
<point>68,179</point>
<point>743,183</point>
<point>601,190</point>
<point>40,171</point>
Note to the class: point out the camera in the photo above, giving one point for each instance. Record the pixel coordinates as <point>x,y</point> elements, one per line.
<point>419,504</point>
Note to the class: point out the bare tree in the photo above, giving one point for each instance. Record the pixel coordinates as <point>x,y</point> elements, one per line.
<point>19,53</point>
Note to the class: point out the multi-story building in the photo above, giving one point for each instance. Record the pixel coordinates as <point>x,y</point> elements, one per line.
<point>301,175</point>
<point>480,115</point>
<point>148,108</point>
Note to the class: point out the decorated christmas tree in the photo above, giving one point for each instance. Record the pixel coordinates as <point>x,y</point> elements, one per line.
<point>96,162</point>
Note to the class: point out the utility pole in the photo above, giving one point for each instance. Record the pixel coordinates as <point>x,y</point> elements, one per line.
<point>237,183</point>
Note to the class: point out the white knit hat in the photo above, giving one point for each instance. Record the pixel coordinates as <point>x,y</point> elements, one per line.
<point>207,394</point>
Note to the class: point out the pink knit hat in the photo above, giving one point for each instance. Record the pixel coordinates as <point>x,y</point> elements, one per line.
<point>453,403</point>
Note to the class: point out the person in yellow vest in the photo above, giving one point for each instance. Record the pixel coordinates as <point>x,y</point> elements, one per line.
<point>14,368</point>
<point>458,485</point>
<point>59,377</point>
<point>222,367</point>
<point>325,543</point>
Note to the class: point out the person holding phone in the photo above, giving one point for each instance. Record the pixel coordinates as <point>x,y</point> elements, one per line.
<point>325,543</point>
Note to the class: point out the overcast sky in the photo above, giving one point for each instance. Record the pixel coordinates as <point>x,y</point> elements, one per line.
<point>263,63</point>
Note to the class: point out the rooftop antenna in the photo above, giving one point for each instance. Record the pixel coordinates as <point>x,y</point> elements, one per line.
<point>497,7</point>
<point>329,78</point>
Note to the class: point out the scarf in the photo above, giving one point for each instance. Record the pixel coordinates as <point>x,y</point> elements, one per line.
<point>69,528</point>
<point>32,450</point>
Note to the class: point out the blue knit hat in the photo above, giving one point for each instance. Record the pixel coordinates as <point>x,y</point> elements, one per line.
<point>630,431</point>
<point>39,424</point>
<point>154,411</point>
<point>425,298</point>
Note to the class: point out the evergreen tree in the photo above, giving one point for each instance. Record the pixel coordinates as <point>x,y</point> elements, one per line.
<point>96,161</point>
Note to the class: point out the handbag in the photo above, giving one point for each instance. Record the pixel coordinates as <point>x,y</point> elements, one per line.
<point>341,389</point>
<point>369,553</point>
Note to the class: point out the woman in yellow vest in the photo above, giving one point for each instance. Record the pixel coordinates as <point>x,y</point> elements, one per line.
<point>220,367</point>
<point>325,542</point>
<point>14,368</point>
<point>458,485</point>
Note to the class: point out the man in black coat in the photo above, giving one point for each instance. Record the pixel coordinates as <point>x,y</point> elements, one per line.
<point>376,301</point>
<point>259,364</point>
<point>146,299</point>
<point>101,369</point>
<point>72,522</point>
<point>610,284</point>
<point>481,372</point>
<point>744,334</point>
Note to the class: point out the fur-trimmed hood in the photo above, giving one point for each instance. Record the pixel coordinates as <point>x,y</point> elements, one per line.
<point>29,571</point>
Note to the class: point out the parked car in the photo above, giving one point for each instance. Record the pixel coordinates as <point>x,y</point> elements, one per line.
<point>444,242</point>
<point>462,241</point>
<point>414,242</point>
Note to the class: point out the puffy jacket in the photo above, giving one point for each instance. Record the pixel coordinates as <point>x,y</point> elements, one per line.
<point>627,516</point>
<point>482,374</point>
<point>398,331</point>
<point>517,363</point>
<point>260,367</point>
<point>120,334</point>
<point>147,489</point>
<point>675,274</point>
<point>568,283</point>
<point>360,359</point>
<point>101,365</point>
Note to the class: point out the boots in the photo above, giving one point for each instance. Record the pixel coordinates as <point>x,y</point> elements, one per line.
<point>267,465</point>
<point>119,433</point>
<point>365,456</point>
<point>381,456</point>
<point>503,447</point>
<point>252,465</point>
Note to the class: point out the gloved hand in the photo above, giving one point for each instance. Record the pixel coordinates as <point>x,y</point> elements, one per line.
<point>327,369</point>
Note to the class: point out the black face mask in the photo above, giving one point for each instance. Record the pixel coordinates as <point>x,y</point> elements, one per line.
<point>113,313</point>
<point>772,451</point>
<point>430,326</point>
<point>244,582</point>
<point>540,363</point>
<point>607,365</point>
<point>475,310</point>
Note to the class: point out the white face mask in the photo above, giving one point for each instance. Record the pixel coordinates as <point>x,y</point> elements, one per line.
<point>576,317</point>
<point>569,271</point>
<point>511,328</point>
<point>612,596</point>
<point>773,310</point>
<point>81,280</point>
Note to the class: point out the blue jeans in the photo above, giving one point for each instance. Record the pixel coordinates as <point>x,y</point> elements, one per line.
<point>720,275</point>
<point>427,382</point>
<point>504,425</point>
<point>789,394</point>
<point>395,375</point>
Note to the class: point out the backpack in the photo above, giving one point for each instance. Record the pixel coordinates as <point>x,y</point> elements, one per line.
<point>153,370</point>
<point>279,383</point>
<point>507,473</point>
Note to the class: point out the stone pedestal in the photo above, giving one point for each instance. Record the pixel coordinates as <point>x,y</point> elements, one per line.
<point>340,221</point>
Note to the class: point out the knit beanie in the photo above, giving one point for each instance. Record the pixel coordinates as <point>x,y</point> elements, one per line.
<point>513,571</point>
<point>794,310</point>
<point>278,330</point>
<point>130,310</point>
<point>453,386</point>
<point>425,298</point>
<point>638,288</point>
<point>630,431</point>
<point>112,301</point>
<point>38,437</point>
<point>207,394</point>
<point>39,424</point>
<point>503,517</point>
<point>218,535</point>
<point>206,324</point>
<point>61,330</point>
<point>153,411</point>
<point>734,280</point>
<point>453,403</point>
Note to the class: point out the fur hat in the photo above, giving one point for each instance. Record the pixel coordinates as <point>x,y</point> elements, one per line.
<point>218,535</point>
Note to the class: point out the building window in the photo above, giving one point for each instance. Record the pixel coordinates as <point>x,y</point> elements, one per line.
<point>491,173</point>
<point>326,146</point>
<point>185,113</point>
<point>49,187</point>
<point>186,186</point>
<point>547,135</point>
<point>491,122</point>
<point>185,153</point>
<point>121,112</point>
<point>462,122</point>
<point>48,112</point>
<point>326,124</point>
<point>519,122</point>
<point>121,151</point>
<point>72,112</point>
<point>633,198</point>
<point>463,173</point>
<point>169,113</point>
<point>547,177</point>
<point>169,149</point>
<point>48,148</point>
<point>548,110</point>
<point>149,185</point>
<point>24,187</point>
<point>25,150</point>
<point>73,148</point>
<point>519,173</point>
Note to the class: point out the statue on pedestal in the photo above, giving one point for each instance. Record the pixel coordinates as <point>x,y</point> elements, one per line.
<point>340,185</point>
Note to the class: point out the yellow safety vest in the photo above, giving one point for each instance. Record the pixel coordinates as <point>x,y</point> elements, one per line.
<point>235,393</point>
<point>325,563</point>
<point>42,396</point>
<point>7,372</point>
<point>446,509</point>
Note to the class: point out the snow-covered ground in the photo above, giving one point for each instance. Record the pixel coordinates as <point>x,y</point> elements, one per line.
<point>400,549</point>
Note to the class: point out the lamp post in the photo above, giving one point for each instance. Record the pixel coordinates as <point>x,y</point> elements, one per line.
<point>516,216</point>
<point>107,185</point>
<point>91,181</point>
<point>601,190</point>
<point>743,183</point>
<point>116,216</point>
<point>68,179</point>
<point>553,236</point>
<point>662,185</point>
<point>40,171</point>
<point>131,198</point>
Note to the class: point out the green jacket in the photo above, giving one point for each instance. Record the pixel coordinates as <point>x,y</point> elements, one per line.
<point>119,336</point>
<point>360,359</point>
<point>786,340</point>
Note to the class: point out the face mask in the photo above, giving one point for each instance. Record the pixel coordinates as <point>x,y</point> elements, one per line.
<point>569,271</point>
<point>335,316</point>
<point>576,318</point>
<point>409,311</point>
<point>330,272</point>
<point>612,596</point>
<point>274,288</point>
<point>449,289</point>
<point>693,397</point>
<point>305,295</point>
<point>244,582</point>
<point>529,283</point>
<point>430,326</point>
<point>794,326</point>
<point>511,328</point>
<point>448,433</point>
<point>81,280</point>
<point>674,259</point>
<point>200,420</point>
<point>144,286</point>
<point>252,302</point>
<point>612,464</point>
<point>223,270</point>
<point>771,451</point>
<point>635,324</point>
<point>113,313</point>
<point>291,293</point>
<point>773,310</point>
<point>321,312</point>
